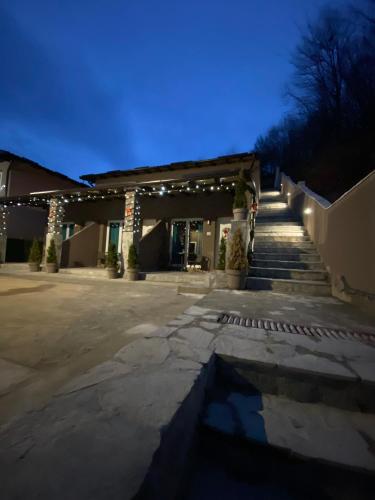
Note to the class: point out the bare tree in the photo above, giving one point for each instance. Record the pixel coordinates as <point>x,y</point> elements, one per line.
<point>321,62</point>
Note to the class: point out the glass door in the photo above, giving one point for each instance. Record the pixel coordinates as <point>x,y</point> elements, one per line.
<point>186,242</point>
<point>113,235</point>
<point>195,242</point>
<point>178,244</point>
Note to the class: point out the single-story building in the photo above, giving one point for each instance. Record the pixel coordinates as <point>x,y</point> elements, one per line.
<point>175,214</point>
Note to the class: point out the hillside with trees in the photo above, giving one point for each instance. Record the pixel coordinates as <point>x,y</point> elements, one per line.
<point>328,138</point>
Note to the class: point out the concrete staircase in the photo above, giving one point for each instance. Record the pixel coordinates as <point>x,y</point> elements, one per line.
<point>285,259</point>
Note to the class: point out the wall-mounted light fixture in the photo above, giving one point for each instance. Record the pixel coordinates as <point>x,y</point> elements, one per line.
<point>307,211</point>
<point>288,194</point>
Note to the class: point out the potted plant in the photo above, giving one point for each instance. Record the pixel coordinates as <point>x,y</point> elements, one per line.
<point>240,209</point>
<point>51,262</point>
<point>222,254</point>
<point>111,261</point>
<point>35,257</point>
<point>132,271</point>
<point>237,262</point>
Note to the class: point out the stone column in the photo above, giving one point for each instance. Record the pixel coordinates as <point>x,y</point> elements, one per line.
<point>131,233</point>
<point>55,219</point>
<point>3,233</point>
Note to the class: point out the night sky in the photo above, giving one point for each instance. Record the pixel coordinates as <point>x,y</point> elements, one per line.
<point>88,85</point>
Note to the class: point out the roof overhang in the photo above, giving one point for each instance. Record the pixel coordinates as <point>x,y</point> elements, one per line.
<point>184,165</point>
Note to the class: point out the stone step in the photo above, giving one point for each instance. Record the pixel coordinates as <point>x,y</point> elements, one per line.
<point>14,267</point>
<point>287,244</point>
<point>319,288</point>
<point>310,432</point>
<point>84,272</point>
<point>287,256</point>
<point>267,219</point>
<point>297,274</point>
<point>280,230</point>
<point>277,249</point>
<point>184,278</point>
<point>261,238</point>
<point>274,213</point>
<point>277,225</point>
<point>288,264</point>
<point>196,290</point>
<point>275,206</point>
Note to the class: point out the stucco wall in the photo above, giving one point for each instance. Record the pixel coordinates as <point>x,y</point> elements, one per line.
<point>344,233</point>
<point>82,248</point>
<point>25,179</point>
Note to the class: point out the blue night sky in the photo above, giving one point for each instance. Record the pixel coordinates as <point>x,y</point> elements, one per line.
<point>89,85</point>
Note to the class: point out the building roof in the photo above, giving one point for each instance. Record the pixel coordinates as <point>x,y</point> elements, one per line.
<point>8,156</point>
<point>169,167</point>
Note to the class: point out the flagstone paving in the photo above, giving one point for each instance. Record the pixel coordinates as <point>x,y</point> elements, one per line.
<point>128,423</point>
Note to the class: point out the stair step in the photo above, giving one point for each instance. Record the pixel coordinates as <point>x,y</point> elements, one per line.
<point>281,238</point>
<point>196,290</point>
<point>320,288</point>
<point>281,230</point>
<point>294,223</point>
<point>289,256</point>
<point>287,264</point>
<point>297,274</point>
<point>276,250</point>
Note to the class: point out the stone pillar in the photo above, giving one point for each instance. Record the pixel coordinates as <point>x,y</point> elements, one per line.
<point>132,225</point>
<point>55,219</point>
<point>3,233</point>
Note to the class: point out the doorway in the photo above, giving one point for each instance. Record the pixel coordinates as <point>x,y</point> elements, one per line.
<point>186,243</point>
<point>114,234</point>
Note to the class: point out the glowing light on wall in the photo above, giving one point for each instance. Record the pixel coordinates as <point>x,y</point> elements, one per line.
<point>307,211</point>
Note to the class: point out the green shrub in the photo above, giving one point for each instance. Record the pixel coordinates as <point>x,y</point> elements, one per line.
<point>240,191</point>
<point>111,258</point>
<point>237,258</point>
<point>51,253</point>
<point>132,257</point>
<point>222,254</point>
<point>35,254</point>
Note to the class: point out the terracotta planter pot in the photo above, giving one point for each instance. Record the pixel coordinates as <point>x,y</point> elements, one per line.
<point>240,213</point>
<point>112,273</point>
<point>51,267</point>
<point>132,274</point>
<point>34,267</point>
<point>236,279</point>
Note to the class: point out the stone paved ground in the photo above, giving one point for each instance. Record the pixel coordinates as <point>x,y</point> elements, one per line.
<point>98,436</point>
<point>53,329</point>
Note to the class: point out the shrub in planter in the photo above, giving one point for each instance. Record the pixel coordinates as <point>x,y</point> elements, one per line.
<point>35,256</point>
<point>240,202</point>
<point>111,261</point>
<point>132,271</point>
<point>51,261</point>
<point>222,254</point>
<point>237,262</point>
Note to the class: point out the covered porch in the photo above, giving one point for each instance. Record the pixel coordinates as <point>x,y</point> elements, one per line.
<point>175,220</point>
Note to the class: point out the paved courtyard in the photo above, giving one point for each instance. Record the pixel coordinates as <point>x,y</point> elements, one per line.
<point>55,328</point>
<point>117,376</point>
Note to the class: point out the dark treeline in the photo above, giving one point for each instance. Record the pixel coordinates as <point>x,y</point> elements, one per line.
<point>328,139</point>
